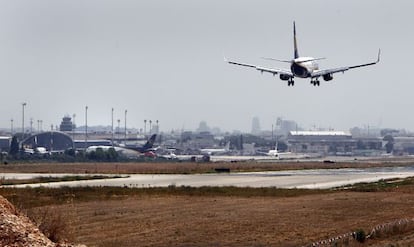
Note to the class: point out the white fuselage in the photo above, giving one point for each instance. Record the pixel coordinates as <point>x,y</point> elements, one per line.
<point>303,67</point>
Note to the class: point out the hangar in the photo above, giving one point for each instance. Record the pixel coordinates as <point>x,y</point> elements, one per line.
<point>321,142</point>
<point>52,141</point>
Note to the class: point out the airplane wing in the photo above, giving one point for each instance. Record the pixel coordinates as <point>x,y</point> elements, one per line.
<point>273,71</point>
<point>343,69</point>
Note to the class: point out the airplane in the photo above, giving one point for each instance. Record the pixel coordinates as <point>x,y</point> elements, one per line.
<point>130,151</point>
<point>213,151</point>
<point>302,67</point>
<point>147,147</point>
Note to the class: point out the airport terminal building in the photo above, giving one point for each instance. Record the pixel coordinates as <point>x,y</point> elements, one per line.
<point>322,142</point>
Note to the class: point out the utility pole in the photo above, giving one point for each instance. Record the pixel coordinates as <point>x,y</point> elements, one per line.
<point>86,127</point>
<point>112,127</point>
<point>31,126</point>
<point>73,126</point>
<point>125,127</point>
<point>119,130</point>
<point>23,105</point>
<point>11,126</point>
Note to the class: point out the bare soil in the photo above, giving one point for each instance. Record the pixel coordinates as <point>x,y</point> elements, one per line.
<point>237,221</point>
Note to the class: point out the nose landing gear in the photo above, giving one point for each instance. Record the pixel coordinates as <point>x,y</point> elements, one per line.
<point>291,82</point>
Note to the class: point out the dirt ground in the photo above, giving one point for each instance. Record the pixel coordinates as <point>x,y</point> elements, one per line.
<point>185,220</point>
<point>236,221</point>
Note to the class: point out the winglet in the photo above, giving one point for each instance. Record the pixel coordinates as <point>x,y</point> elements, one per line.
<point>225,59</point>
<point>379,55</point>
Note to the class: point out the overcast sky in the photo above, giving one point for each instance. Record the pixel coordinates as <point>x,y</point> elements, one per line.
<point>163,60</point>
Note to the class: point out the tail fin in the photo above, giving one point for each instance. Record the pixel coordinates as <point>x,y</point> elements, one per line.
<point>294,41</point>
<point>227,147</point>
<point>150,142</point>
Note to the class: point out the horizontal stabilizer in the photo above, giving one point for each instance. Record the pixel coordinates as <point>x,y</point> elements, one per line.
<point>309,60</point>
<point>275,59</point>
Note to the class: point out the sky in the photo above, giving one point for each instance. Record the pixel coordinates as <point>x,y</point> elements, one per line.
<point>163,60</point>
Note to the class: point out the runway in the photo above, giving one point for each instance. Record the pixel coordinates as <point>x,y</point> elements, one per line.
<point>320,178</point>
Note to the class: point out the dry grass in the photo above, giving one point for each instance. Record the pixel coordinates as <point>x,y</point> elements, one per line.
<point>185,167</point>
<point>180,217</point>
<point>218,216</point>
<point>233,221</point>
<point>53,223</point>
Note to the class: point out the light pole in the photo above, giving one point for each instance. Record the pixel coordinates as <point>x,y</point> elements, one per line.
<point>145,127</point>
<point>150,121</point>
<point>112,127</point>
<point>31,126</point>
<point>11,126</point>
<point>41,125</point>
<point>23,105</point>
<point>119,130</point>
<point>158,127</point>
<point>125,126</point>
<point>73,126</point>
<point>86,127</point>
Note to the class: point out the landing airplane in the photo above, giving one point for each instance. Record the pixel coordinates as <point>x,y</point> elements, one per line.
<point>302,67</point>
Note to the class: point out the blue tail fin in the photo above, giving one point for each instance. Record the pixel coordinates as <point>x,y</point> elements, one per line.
<point>295,45</point>
<point>150,142</point>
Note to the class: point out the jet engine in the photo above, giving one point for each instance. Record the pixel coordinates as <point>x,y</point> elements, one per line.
<point>284,77</point>
<point>327,77</point>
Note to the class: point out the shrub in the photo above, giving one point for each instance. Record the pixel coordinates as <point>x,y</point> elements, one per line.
<point>360,235</point>
<point>50,222</point>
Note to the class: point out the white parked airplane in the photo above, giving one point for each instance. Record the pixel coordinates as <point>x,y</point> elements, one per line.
<point>302,67</point>
<point>215,151</point>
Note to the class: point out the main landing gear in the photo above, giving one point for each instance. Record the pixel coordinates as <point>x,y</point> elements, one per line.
<point>291,82</point>
<point>315,82</point>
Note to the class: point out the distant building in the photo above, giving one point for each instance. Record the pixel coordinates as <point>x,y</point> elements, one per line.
<point>283,127</point>
<point>83,144</point>
<point>404,145</point>
<point>256,126</point>
<point>203,127</point>
<point>5,143</point>
<point>66,125</point>
<point>322,142</point>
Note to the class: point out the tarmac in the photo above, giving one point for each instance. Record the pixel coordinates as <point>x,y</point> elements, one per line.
<point>308,179</point>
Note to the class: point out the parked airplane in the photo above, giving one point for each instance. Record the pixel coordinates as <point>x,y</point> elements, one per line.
<point>130,151</point>
<point>214,151</point>
<point>147,147</point>
<point>302,67</point>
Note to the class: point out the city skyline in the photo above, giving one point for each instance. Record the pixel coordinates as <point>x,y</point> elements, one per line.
<point>163,61</point>
<point>33,126</point>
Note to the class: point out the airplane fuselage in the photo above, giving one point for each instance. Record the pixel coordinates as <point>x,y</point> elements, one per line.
<point>303,67</point>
